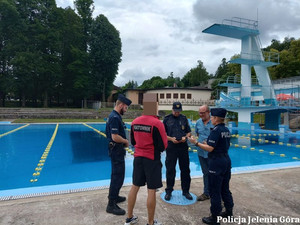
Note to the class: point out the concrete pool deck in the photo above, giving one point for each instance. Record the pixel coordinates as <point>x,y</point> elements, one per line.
<point>265,195</point>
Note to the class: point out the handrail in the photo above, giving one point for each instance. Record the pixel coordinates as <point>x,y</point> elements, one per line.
<point>241,22</point>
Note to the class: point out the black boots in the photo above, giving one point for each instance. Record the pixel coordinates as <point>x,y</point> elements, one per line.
<point>210,220</point>
<point>227,213</point>
<point>120,199</point>
<point>113,208</point>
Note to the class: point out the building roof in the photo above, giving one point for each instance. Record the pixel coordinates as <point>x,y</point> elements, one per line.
<point>171,88</point>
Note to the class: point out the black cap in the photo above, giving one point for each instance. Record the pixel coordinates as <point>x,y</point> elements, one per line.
<point>123,99</point>
<point>219,112</point>
<point>177,107</point>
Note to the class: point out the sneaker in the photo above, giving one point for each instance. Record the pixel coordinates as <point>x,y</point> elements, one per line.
<point>187,195</point>
<point>155,223</point>
<point>203,197</point>
<point>133,220</point>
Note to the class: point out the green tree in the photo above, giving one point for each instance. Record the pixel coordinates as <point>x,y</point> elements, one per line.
<point>222,68</point>
<point>154,82</point>
<point>9,25</point>
<point>105,56</point>
<point>196,76</point>
<point>85,10</point>
<point>71,44</point>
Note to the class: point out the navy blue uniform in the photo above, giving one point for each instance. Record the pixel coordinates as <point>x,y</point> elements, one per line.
<point>115,125</point>
<point>177,127</point>
<point>219,165</point>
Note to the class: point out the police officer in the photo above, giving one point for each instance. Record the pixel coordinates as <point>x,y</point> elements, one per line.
<point>115,132</point>
<point>219,166</point>
<point>178,129</point>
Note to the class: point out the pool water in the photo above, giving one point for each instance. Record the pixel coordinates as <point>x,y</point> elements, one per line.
<point>78,153</point>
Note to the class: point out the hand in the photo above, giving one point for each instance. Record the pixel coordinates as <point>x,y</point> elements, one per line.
<point>192,140</point>
<point>126,144</point>
<point>174,140</point>
<point>183,139</point>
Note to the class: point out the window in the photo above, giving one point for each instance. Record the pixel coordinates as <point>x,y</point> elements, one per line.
<point>175,95</point>
<point>168,95</point>
<point>189,96</point>
<point>182,96</point>
<point>161,95</point>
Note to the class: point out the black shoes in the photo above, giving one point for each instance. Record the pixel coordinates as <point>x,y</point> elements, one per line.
<point>113,208</point>
<point>168,196</point>
<point>187,195</point>
<point>210,220</point>
<point>120,199</point>
<point>227,213</point>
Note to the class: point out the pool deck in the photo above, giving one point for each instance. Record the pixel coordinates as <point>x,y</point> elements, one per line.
<point>261,195</point>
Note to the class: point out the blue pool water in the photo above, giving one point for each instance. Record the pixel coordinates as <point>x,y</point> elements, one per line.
<point>79,154</point>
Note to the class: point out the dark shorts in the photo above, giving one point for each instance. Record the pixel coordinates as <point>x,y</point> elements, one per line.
<point>147,171</point>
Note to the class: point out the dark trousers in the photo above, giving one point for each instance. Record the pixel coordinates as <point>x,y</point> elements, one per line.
<point>180,152</point>
<point>117,171</point>
<point>218,178</point>
<point>204,167</point>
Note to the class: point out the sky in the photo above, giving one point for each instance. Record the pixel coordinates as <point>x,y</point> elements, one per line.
<point>163,36</point>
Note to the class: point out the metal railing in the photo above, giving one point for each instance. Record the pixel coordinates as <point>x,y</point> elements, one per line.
<point>241,22</point>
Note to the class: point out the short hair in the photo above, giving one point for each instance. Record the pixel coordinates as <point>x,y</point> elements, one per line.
<point>118,102</point>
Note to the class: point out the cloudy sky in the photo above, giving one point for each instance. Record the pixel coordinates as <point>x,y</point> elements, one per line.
<point>164,36</point>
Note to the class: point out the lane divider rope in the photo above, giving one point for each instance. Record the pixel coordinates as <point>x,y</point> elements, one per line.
<point>98,131</point>
<point>44,156</point>
<point>9,132</point>
<point>261,151</point>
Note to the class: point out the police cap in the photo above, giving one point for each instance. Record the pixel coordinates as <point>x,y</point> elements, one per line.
<point>177,107</point>
<point>123,99</point>
<point>219,112</point>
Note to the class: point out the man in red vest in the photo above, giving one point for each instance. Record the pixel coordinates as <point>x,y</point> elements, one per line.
<point>149,138</point>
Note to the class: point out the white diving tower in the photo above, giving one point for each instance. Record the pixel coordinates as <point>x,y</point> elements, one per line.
<point>247,97</point>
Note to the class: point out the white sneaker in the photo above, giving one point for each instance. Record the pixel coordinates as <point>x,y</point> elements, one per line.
<point>156,223</point>
<point>133,220</point>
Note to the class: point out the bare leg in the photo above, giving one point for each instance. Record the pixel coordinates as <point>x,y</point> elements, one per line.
<point>131,200</point>
<point>151,203</point>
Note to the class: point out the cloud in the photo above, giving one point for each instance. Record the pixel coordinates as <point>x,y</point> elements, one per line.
<point>160,37</point>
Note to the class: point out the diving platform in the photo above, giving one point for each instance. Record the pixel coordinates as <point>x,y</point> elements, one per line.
<point>237,28</point>
<point>245,96</point>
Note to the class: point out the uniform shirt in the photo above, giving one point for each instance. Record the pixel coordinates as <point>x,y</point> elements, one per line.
<point>203,131</point>
<point>176,127</point>
<point>115,125</point>
<point>148,136</point>
<point>219,138</point>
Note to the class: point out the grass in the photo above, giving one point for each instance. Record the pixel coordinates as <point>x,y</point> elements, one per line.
<point>190,114</point>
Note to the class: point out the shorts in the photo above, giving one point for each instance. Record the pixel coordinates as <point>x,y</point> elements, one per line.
<point>147,171</point>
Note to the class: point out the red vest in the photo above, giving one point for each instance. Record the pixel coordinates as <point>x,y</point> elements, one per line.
<point>148,135</point>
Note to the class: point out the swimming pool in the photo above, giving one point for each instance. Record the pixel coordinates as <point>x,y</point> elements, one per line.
<point>43,157</point>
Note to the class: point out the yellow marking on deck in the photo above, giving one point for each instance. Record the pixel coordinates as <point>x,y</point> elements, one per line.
<point>44,156</point>
<point>98,131</point>
<point>12,131</point>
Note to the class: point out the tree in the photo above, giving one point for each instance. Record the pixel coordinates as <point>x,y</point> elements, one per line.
<point>105,56</point>
<point>72,48</point>
<point>196,76</point>
<point>85,10</point>
<point>222,69</point>
<point>9,20</point>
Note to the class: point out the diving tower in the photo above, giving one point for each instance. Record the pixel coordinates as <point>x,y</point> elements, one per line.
<point>245,96</point>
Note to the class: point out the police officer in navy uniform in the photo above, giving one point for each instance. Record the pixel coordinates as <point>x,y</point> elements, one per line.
<point>178,129</point>
<point>219,165</point>
<point>115,132</point>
